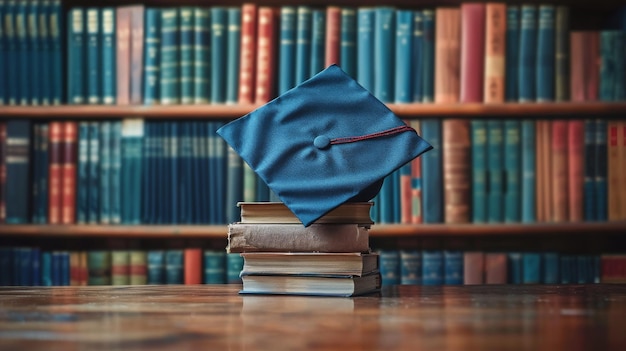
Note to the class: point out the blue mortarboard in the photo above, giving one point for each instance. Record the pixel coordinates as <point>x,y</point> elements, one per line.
<point>323,143</point>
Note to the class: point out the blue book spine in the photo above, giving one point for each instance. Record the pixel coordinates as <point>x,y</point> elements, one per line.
<point>17,266</point>
<point>234,191</point>
<point>303,43</point>
<point>147,179</point>
<point>3,60</point>
<point>76,91</point>
<point>234,265</point>
<point>219,42</point>
<point>93,55</point>
<point>6,266</point>
<point>318,37</point>
<point>582,269</point>
<point>404,66</point>
<point>428,56</point>
<point>42,205</point>
<point>202,54</point>
<point>512,173</point>
<point>432,267</point>
<point>155,264</point>
<point>527,53</point>
<point>21,35</point>
<point>37,167</point>
<point>348,41</point>
<point>34,50</point>
<point>64,268</point>
<point>115,172</point>
<point>17,168</point>
<point>479,171</point>
<point>82,174</point>
<point>214,267</point>
<point>365,47</point>
<point>35,265</point>
<point>11,59</point>
<point>453,267</point>
<point>287,49</point>
<point>589,183</point>
<point>384,44</point>
<point>601,170</point>
<point>162,172</point>
<point>44,57</point>
<point>389,266</point>
<point>432,193</point>
<point>93,174</point>
<point>551,268</point>
<point>56,62</point>
<point>565,270</point>
<point>184,173</point>
<point>132,138</point>
<point>186,62</point>
<point>105,172</point>
<point>108,76</point>
<point>56,268</point>
<point>410,267</point>
<point>222,165</point>
<point>25,266</point>
<point>531,266</point>
<point>233,50</point>
<point>528,172</point>
<point>545,54</point>
<point>495,173</point>
<point>169,81</point>
<point>151,56</point>
<point>174,267</point>
<point>46,268</point>
<point>515,268</point>
<point>173,160</point>
<point>619,88</point>
<point>417,56</point>
<point>607,65</point>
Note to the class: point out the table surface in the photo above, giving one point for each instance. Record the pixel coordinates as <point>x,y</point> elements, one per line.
<point>202,317</point>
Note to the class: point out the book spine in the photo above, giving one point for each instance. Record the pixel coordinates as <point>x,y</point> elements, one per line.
<point>622,172</point>
<point>105,172</point>
<point>347,41</point>
<point>234,266</point>
<point>186,60</point>
<point>389,266</point>
<point>234,185</point>
<point>34,51</point>
<point>108,56</point>
<point>219,24</point>
<point>3,171</point>
<point>233,43</point>
<point>35,271</point>
<point>515,268</point>
<point>82,173</point>
<point>174,266</point>
<point>456,170</point>
<point>333,36</point>
<point>214,267</point>
<point>115,172</point>
<point>562,52</point>
<point>74,268</point>
<point>93,56</point>
<point>120,262</point>
<point>432,267</point>
<point>99,267</point>
<point>44,56</point>
<point>21,35</point>
<point>417,54</point>
<point>472,52</point>
<point>265,55</point>
<point>607,66</point>
<point>3,56</point>
<point>56,28</point>
<point>131,170</point>
<point>152,56</point>
<point>448,53</point>
<point>473,267</point>
<point>545,54</point>
<point>137,267</point>
<point>193,266</point>
<point>384,34</point>
<point>589,192</point>
<point>601,184</point>
<point>55,154</point>
<point>68,178</point>
<point>93,174</point>
<point>531,268</point>
<point>287,49</point>
<point>495,53</point>
<point>619,56</point>
<point>365,47</point>
<point>46,268</point>
<point>201,55</point>
<point>495,171</point>
<point>432,172</point>
<point>42,205</point>
<point>169,69</point>
<point>123,32</point>
<point>479,171</point>
<point>303,43</point>
<point>403,76</point>
<point>248,53</point>
<point>417,212</point>
<point>428,57</point>
<point>575,169</point>
<point>410,267</point>
<point>135,55</point>
<point>528,171</point>
<point>551,268</point>
<point>36,170</point>
<point>155,265</point>
<point>18,164</point>
<point>453,267</point>
<point>560,187</point>
<point>318,42</point>
<point>527,53</point>
<point>76,56</point>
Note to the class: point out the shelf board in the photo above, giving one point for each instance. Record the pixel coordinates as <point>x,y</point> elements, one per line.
<point>377,231</point>
<point>215,111</point>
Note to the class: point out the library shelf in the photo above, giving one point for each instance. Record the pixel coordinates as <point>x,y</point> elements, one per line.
<point>412,110</point>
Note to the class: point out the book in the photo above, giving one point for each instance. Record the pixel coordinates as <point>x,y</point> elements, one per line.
<point>247,53</point>
<point>265,54</point>
<point>244,237</point>
<point>474,267</point>
<point>68,178</point>
<point>193,265</point>
<point>389,267</point>
<point>310,285</point>
<point>137,269</point>
<point>287,49</point>
<point>18,165</point>
<point>76,44</point>
<point>333,36</point>
<point>214,267</point>
<point>309,263</point>
<point>277,212</point>
<point>410,267</point>
<point>495,52</point>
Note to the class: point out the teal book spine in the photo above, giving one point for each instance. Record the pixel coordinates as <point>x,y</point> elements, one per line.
<point>17,167</point>
<point>234,265</point>
<point>432,169</point>
<point>105,172</point>
<point>233,53</point>
<point>148,174</point>
<point>479,171</point>
<point>99,267</point>
<point>169,81</point>
<point>132,175</point>
<point>219,41</point>
<point>303,43</point>
<point>40,173</point>
<point>527,54</point>
<point>3,59</point>
<point>65,268</point>
<point>589,192</point>
<point>511,66</point>
<point>35,266</point>
<point>82,174</point>
<point>607,65</point>
<point>186,30</point>
<point>234,186</point>
<point>512,171</point>
<point>174,267</point>
<point>56,28</point>
<point>214,267</point>
<point>403,54</point>
<point>347,41</point>
<point>34,50</point>
<point>163,167</point>
<point>46,269</point>
<point>601,170</point>
<point>417,57</point>
<point>23,49</point>
<point>567,274</point>
<point>528,171</point>
<point>531,268</point>
<point>185,173</point>
<point>36,170</point>
<point>619,55</point>
<point>410,267</point>
<point>173,160</point>
<point>155,264</point>
<point>432,267</point>
<point>152,56</point>
<point>318,37</point>
<point>24,266</point>
<point>545,54</point>
<point>582,269</point>
<point>495,171</point>
<point>222,165</point>
<point>453,267</point>
<point>11,60</point>
<point>287,49</point>
<point>201,55</point>
<point>108,76</point>
<point>365,47</point>
<point>93,211</point>
<point>115,172</point>
<point>562,84</point>
<point>93,56</point>
<point>389,266</point>
<point>551,268</point>
<point>56,268</point>
<point>384,44</point>
<point>515,268</point>
<point>76,91</point>
<point>428,56</point>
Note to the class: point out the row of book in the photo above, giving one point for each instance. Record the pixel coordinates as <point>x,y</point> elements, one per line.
<point>32,266</point>
<point>477,52</point>
<point>133,171</point>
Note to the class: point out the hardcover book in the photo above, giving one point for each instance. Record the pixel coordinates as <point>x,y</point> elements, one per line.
<point>277,212</point>
<point>309,263</point>
<point>310,285</point>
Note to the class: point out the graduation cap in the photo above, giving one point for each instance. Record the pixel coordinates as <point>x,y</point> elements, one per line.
<point>323,143</point>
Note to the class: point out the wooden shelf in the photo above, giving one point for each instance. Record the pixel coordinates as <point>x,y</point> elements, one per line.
<point>378,231</point>
<point>209,111</point>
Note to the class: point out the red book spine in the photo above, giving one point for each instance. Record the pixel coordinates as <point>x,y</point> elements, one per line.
<point>68,179</point>
<point>248,53</point>
<point>3,171</point>
<point>614,168</point>
<point>74,268</point>
<point>136,53</point>
<point>495,44</point>
<point>495,268</point>
<point>55,154</point>
<point>266,55</point>
<point>578,67</point>
<point>613,269</point>
<point>122,27</point>
<point>333,35</point>
<point>559,166</point>
<point>472,51</point>
<point>576,171</point>
<point>84,269</point>
<point>193,266</point>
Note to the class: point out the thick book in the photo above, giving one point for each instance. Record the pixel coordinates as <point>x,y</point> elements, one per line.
<point>151,56</point>
<point>474,267</point>
<point>310,285</point>
<point>472,52</point>
<point>186,62</point>
<point>309,263</point>
<point>122,40</point>
<point>93,55</point>
<point>277,212</point>
<point>55,149</point>
<point>410,267</point>
<point>389,262</point>
<point>120,264</point>
<point>108,60</point>
<point>244,237</point>
<point>99,263</point>
<point>137,269</point>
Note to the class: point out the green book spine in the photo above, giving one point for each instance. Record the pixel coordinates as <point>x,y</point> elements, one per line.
<point>186,31</point>
<point>214,267</point>
<point>108,56</point>
<point>131,170</point>
<point>233,44</point>
<point>99,267</point>
<point>512,175</point>
<point>169,63</point>
<point>495,148</point>
<point>234,265</point>
<point>201,55</point>
<point>479,171</point>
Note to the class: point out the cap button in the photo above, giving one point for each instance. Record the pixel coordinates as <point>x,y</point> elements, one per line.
<point>321,142</point>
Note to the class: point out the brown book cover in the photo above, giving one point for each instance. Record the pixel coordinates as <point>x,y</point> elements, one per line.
<point>309,263</point>
<point>123,40</point>
<point>266,54</point>
<point>193,266</point>
<point>613,172</point>
<point>84,269</point>
<point>456,170</point>
<point>75,273</point>
<point>248,53</point>
<point>136,53</point>
<point>55,159</point>
<point>472,51</point>
<point>495,44</point>
<point>448,54</point>
<point>473,267</point>
<point>544,170</point>
<point>3,170</point>
<point>244,237</point>
<point>277,212</point>
<point>622,157</point>
<point>495,268</point>
<point>68,179</point>
<point>560,186</point>
<point>333,35</point>
<point>613,268</point>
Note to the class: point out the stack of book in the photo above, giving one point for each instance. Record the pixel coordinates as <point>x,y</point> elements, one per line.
<point>281,256</point>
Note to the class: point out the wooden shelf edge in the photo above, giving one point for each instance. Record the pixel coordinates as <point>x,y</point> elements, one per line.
<point>209,111</point>
<point>130,231</point>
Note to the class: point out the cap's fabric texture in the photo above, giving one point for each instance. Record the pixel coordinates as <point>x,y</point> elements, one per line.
<point>325,142</point>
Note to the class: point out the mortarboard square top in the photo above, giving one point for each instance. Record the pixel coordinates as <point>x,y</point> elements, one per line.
<point>323,143</point>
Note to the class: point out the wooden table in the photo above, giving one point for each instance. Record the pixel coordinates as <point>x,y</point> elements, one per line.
<point>201,317</point>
